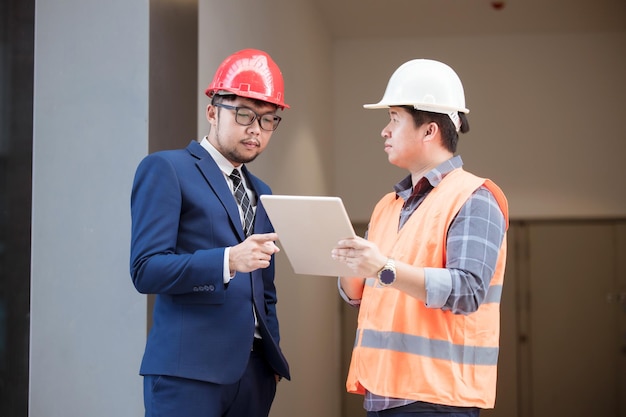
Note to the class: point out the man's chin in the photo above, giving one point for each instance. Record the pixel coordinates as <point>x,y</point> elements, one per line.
<point>245,160</point>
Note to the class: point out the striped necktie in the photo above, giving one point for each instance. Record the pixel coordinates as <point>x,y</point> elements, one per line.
<point>243,200</point>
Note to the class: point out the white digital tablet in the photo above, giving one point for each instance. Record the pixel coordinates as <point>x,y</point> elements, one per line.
<point>308,228</point>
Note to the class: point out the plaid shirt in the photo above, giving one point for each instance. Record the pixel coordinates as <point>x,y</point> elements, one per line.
<point>473,243</point>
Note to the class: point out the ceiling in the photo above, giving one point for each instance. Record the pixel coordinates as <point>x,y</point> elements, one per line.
<point>409,18</point>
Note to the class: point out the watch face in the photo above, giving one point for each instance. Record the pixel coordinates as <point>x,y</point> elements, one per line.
<point>387,276</point>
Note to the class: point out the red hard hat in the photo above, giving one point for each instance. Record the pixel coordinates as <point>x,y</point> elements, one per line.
<point>250,73</point>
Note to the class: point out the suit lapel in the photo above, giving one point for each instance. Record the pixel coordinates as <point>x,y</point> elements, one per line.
<point>216,181</point>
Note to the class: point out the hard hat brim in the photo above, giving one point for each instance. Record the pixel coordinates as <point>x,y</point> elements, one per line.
<point>434,108</point>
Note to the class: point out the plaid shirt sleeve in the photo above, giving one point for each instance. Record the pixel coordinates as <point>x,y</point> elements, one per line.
<point>473,244</point>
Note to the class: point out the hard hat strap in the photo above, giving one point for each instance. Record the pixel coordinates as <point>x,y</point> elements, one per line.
<point>455,119</point>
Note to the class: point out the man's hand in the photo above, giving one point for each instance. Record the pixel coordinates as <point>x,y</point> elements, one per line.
<point>362,256</point>
<point>253,253</point>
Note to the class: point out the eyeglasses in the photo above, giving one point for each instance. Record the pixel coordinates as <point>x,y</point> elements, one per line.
<point>245,116</point>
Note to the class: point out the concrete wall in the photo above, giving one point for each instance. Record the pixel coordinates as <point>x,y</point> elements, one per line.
<point>545,117</point>
<point>90,130</point>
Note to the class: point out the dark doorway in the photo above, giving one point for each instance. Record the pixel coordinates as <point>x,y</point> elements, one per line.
<point>16,145</point>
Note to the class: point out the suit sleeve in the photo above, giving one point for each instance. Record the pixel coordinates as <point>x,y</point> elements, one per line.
<point>157,264</point>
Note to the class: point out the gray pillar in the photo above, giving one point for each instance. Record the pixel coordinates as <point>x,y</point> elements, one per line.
<point>90,131</point>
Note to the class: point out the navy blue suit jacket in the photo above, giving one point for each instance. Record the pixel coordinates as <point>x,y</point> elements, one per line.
<point>183,217</point>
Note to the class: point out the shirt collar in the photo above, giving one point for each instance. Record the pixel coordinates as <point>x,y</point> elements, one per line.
<point>433,176</point>
<point>220,160</point>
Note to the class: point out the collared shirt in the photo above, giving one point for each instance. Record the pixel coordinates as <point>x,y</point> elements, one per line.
<point>226,167</point>
<point>472,246</point>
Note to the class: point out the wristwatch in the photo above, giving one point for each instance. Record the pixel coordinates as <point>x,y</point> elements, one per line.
<point>387,275</point>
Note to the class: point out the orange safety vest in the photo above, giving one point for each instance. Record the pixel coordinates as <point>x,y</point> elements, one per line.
<point>404,349</point>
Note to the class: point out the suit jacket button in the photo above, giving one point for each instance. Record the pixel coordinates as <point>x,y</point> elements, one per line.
<point>196,289</point>
<point>211,287</point>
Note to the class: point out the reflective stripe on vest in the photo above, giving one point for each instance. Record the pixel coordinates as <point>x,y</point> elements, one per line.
<point>436,349</point>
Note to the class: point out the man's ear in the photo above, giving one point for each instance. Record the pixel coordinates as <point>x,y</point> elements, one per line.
<point>211,114</point>
<point>431,131</point>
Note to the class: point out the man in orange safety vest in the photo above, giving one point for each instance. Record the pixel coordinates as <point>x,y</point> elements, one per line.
<point>428,276</point>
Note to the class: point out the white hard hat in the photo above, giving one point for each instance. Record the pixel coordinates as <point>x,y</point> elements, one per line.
<point>425,84</point>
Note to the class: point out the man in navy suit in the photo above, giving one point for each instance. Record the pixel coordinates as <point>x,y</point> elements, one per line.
<point>213,349</point>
